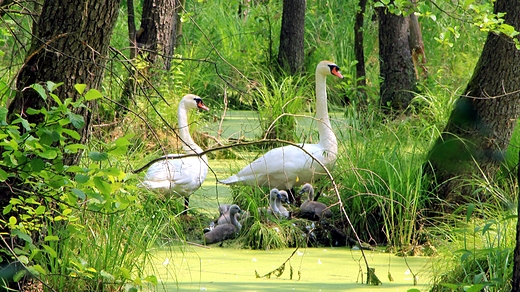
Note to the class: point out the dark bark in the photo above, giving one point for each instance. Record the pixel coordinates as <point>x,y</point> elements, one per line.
<point>132,31</point>
<point>69,46</point>
<point>158,30</point>
<point>128,91</point>
<point>396,67</point>
<point>291,50</point>
<point>480,127</point>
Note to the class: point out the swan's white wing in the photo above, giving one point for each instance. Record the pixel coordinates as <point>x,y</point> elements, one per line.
<point>284,167</point>
<point>183,176</point>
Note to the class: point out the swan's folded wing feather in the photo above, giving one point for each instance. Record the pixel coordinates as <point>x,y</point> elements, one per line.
<point>281,166</point>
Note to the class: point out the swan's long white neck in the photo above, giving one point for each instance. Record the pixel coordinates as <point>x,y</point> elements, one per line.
<point>190,147</point>
<point>327,136</point>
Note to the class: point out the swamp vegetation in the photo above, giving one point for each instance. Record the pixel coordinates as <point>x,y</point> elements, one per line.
<point>89,227</point>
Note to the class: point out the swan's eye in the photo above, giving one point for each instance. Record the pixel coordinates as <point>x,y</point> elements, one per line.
<point>200,104</point>
<point>334,70</point>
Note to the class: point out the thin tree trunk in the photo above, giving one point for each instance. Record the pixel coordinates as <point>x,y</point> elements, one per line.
<point>396,67</point>
<point>128,91</point>
<point>158,31</point>
<point>291,51</point>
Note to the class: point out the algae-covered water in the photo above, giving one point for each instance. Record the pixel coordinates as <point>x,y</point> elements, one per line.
<point>192,268</point>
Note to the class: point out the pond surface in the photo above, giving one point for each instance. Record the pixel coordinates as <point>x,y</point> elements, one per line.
<point>192,268</point>
<point>240,124</point>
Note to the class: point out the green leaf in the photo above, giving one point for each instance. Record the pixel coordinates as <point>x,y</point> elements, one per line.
<point>22,235</point>
<point>3,115</point>
<point>71,133</point>
<point>471,207</point>
<point>106,275</point>
<point>51,238</point>
<point>50,251</point>
<point>56,99</point>
<point>13,159</point>
<point>81,178</point>
<point>79,193</point>
<point>474,288</point>
<point>104,187</point>
<point>36,270</point>
<point>26,125</point>
<point>118,151</point>
<point>93,94</point>
<point>46,138</point>
<point>98,156</point>
<point>123,141</point>
<point>3,175</point>
<point>40,90</point>
<point>48,154</point>
<point>80,88</point>
<point>51,86</point>
<point>19,275</point>
<point>31,111</point>
<point>75,147</point>
<point>37,164</point>
<point>40,210</point>
<point>7,209</point>
<point>125,273</point>
<point>152,279</point>
<point>77,120</point>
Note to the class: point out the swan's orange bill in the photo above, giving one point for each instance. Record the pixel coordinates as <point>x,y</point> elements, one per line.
<point>201,105</point>
<point>335,71</point>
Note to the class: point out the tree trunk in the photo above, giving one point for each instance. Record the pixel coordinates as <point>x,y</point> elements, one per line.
<point>291,50</point>
<point>396,67</point>
<point>130,85</point>
<point>158,30</point>
<point>480,127</point>
<point>70,45</point>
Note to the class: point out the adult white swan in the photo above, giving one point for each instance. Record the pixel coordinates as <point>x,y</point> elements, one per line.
<point>180,176</point>
<point>289,166</point>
